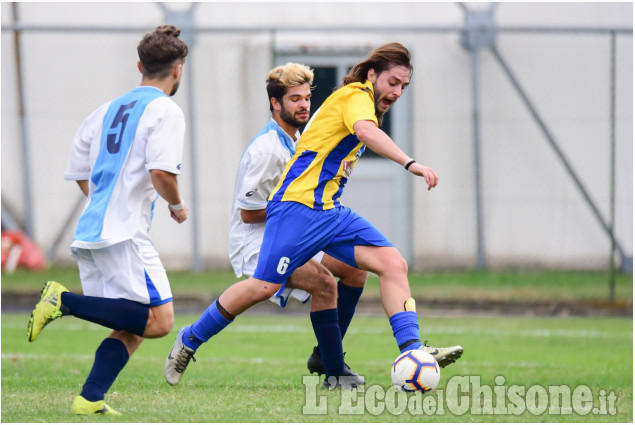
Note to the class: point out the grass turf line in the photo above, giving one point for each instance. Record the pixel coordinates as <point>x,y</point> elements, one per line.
<point>507,286</point>
<point>252,372</point>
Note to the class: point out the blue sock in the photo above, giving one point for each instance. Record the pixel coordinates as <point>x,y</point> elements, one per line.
<point>347,298</point>
<point>405,328</point>
<point>209,324</point>
<point>116,314</point>
<point>110,358</point>
<point>327,331</point>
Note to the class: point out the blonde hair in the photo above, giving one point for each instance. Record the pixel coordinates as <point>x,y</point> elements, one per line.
<point>284,77</point>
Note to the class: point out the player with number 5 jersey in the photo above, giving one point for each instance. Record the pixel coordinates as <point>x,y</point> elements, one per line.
<point>124,156</point>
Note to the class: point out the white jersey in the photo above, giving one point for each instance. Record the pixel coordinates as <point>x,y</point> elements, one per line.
<point>114,150</point>
<point>258,173</point>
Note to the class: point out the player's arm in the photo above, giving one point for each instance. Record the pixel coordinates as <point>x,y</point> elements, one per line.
<point>253,216</point>
<point>166,184</point>
<point>83,186</point>
<point>373,137</point>
<point>163,153</point>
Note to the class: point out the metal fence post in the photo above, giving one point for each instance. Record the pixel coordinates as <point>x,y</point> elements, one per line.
<point>479,32</point>
<point>185,21</point>
<point>26,158</point>
<point>612,172</point>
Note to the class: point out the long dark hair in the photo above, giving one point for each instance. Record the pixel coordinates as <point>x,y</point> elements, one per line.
<point>380,59</point>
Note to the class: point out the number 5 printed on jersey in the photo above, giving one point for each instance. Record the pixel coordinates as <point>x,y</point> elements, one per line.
<point>115,133</point>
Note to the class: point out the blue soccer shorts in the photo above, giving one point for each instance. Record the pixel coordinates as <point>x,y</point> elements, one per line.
<point>294,233</point>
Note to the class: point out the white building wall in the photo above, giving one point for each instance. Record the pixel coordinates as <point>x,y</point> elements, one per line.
<point>533,214</point>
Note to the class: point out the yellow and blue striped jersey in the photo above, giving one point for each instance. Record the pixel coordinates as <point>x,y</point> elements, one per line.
<point>327,150</point>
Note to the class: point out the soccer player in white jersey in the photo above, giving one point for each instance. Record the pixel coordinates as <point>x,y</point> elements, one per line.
<point>260,168</point>
<point>124,156</point>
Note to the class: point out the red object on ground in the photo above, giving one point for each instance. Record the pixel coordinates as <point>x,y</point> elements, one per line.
<point>18,250</point>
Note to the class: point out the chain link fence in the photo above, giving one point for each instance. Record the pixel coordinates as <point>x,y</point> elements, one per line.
<point>532,213</point>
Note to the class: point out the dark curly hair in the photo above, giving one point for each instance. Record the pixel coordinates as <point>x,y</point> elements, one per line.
<point>160,49</point>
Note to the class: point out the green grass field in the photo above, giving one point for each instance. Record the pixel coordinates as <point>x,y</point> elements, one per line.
<point>511,285</point>
<point>253,372</point>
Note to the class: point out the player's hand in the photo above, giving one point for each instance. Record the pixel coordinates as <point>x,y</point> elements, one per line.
<point>426,172</point>
<point>179,215</point>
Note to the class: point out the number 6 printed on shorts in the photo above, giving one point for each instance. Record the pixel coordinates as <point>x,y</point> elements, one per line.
<point>283,265</point>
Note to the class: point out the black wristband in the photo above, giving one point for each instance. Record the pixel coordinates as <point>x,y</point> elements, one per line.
<point>409,164</point>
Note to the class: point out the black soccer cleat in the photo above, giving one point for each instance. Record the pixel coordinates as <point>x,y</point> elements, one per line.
<point>316,365</point>
<point>347,381</point>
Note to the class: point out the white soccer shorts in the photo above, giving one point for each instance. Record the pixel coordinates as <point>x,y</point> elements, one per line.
<point>124,270</point>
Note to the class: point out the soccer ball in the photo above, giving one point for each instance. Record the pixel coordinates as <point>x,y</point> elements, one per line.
<point>415,370</point>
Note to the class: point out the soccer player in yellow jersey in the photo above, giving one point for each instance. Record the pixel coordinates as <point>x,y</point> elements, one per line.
<point>304,215</point>
<point>259,169</point>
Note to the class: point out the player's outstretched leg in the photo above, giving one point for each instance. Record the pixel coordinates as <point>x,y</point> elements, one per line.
<point>47,309</point>
<point>178,359</point>
<point>81,406</point>
<point>393,281</point>
<point>406,330</point>
<point>190,338</point>
<point>115,313</point>
<point>238,298</point>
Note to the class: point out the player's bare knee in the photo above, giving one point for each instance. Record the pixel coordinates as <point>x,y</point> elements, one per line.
<point>402,265</point>
<point>329,286</point>
<point>324,287</point>
<point>355,278</point>
<point>160,321</point>
<point>164,327</point>
<point>395,265</point>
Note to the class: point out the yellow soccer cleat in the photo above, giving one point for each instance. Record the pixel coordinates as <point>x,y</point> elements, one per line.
<point>47,310</point>
<point>81,406</point>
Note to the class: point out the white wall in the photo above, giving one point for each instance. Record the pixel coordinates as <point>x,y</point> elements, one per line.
<point>533,214</point>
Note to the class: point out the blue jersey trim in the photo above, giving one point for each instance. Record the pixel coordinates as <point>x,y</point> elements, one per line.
<point>154,204</point>
<point>298,167</point>
<point>117,135</point>
<point>332,165</point>
<point>154,295</point>
<point>285,140</point>
<point>161,302</point>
